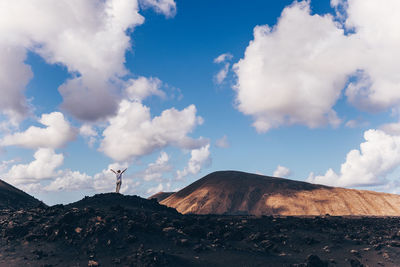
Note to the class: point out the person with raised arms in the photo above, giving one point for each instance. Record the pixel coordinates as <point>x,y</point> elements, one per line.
<point>118,175</point>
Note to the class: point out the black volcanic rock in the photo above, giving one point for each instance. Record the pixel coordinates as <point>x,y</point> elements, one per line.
<point>117,230</point>
<point>160,196</point>
<point>108,200</point>
<point>13,198</point>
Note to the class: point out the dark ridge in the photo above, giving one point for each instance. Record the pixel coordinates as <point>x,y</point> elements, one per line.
<point>14,198</point>
<point>109,200</point>
<point>160,196</point>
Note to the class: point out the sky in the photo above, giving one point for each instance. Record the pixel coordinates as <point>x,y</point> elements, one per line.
<point>174,90</point>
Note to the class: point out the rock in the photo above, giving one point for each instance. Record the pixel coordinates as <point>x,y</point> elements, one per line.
<point>93,263</point>
<point>355,253</point>
<point>385,255</point>
<point>315,261</point>
<point>355,263</point>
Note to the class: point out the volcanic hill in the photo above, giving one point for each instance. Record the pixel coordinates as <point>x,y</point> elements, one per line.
<point>240,193</point>
<point>13,198</point>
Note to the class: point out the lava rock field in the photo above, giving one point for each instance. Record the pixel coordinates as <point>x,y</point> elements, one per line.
<point>117,230</point>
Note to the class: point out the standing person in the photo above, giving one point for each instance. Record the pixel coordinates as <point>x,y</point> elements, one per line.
<point>118,174</point>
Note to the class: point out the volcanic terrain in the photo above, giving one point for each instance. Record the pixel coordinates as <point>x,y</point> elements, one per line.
<point>240,193</point>
<point>161,196</point>
<point>117,230</point>
<point>13,198</point>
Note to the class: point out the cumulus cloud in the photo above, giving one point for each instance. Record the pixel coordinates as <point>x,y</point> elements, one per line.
<point>5,164</point>
<point>377,157</point>
<point>156,189</point>
<point>89,133</point>
<point>295,72</point>
<point>156,170</point>
<point>90,38</point>
<point>133,133</point>
<point>43,167</point>
<point>222,142</point>
<point>199,158</point>
<point>281,82</point>
<point>391,128</point>
<point>14,76</point>
<point>70,181</point>
<point>142,87</point>
<point>56,134</point>
<point>282,171</point>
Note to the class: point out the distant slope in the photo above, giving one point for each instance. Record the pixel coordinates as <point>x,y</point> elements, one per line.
<point>13,198</point>
<point>161,195</point>
<point>232,192</point>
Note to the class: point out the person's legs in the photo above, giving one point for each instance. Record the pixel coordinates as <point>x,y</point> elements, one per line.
<point>118,187</point>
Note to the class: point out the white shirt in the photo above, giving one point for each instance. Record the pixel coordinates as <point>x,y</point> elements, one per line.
<point>119,176</point>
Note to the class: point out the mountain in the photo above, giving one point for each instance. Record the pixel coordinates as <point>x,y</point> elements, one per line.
<point>234,193</point>
<point>13,198</point>
<point>161,196</point>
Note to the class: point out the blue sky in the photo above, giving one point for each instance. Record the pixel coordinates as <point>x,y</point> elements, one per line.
<point>134,85</point>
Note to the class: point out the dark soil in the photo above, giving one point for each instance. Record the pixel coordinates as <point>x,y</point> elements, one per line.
<point>116,230</point>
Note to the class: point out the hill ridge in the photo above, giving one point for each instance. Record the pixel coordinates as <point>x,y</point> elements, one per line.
<point>234,192</point>
<point>14,198</point>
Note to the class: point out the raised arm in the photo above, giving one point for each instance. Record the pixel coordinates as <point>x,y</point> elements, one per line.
<point>113,171</point>
<point>124,170</point>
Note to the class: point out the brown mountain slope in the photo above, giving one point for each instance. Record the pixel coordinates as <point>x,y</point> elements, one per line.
<point>160,195</point>
<point>232,192</point>
<point>13,198</point>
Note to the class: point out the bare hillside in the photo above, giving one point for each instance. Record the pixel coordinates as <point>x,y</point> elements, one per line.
<point>232,192</point>
<point>13,198</point>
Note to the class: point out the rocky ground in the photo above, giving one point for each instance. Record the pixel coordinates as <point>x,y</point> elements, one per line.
<point>116,230</point>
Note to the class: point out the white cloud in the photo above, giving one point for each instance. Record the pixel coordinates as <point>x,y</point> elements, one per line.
<point>281,82</point>
<point>70,181</point>
<point>87,130</point>
<point>222,142</point>
<point>223,57</point>
<point>14,76</point>
<point>377,157</point>
<point>5,163</point>
<point>221,75</point>
<point>376,28</point>
<point>391,128</point>
<point>295,72</point>
<point>156,170</point>
<point>142,87</point>
<point>199,158</point>
<point>153,190</point>
<point>282,171</point>
<point>57,133</point>
<point>90,38</point>
<point>133,133</point>
<point>166,7</point>
<point>356,123</point>
<point>89,133</point>
<point>43,167</point>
